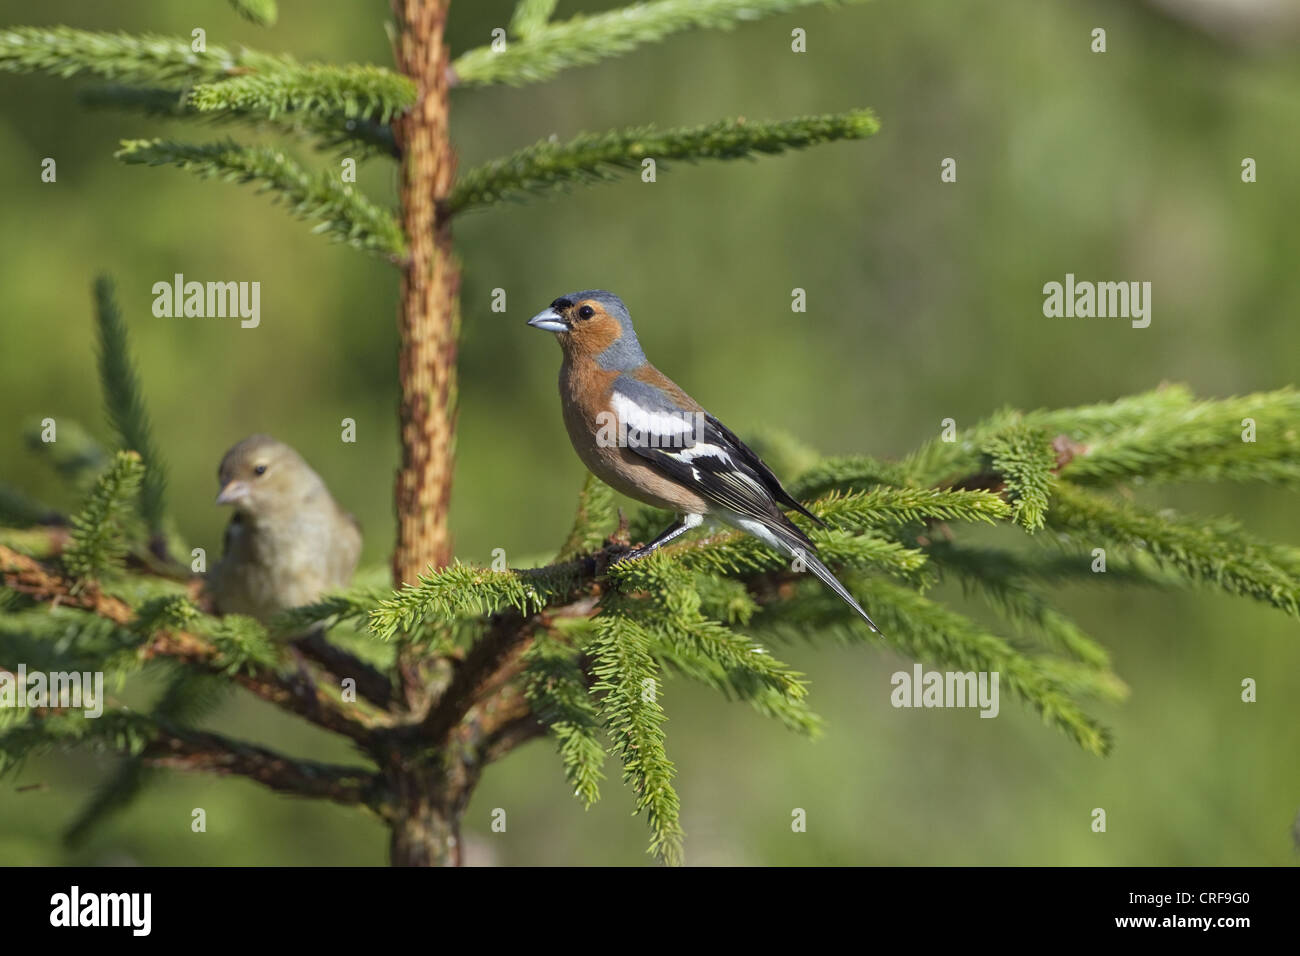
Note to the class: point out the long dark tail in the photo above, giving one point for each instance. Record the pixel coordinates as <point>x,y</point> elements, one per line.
<point>814,563</point>
<point>796,543</point>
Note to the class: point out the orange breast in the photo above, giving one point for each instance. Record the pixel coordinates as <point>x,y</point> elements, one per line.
<point>585,390</point>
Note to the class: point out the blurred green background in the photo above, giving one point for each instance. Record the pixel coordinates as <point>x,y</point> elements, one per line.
<point>924,302</point>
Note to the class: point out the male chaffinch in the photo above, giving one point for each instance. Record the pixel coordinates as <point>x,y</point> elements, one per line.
<point>641,434</point>
<point>288,541</point>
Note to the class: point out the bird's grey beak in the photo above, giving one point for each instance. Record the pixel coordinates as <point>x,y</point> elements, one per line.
<point>233,492</point>
<point>549,321</point>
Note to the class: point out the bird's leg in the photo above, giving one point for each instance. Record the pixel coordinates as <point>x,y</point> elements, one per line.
<point>306,683</point>
<point>677,529</point>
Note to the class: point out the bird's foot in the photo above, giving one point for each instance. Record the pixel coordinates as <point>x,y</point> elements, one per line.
<point>632,554</point>
<point>304,683</point>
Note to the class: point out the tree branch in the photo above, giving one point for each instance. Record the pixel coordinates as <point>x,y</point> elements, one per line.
<point>581,40</point>
<point>372,683</point>
<point>493,661</point>
<point>211,753</point>
<point>482,670</point>
<point>358,136</point>
<point>63,51</point>
<point>600,157</point>
<point>353,91</point>
<point>336,207</point>
<point>28,576</point>
<point>508,722</point>
<point>495,658</point>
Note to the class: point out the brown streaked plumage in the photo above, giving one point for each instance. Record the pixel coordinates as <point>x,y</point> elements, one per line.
<point>288,542</point>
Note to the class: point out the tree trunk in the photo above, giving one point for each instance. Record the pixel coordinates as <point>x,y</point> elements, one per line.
<point>428,804</point>
<point>429,313</point>
<point>426,834</point>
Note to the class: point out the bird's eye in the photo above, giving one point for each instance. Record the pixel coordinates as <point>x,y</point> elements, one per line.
<point>260,470</point>
<point>586,312</point>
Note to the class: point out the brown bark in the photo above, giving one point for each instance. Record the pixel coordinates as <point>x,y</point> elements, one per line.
<point>424,813</point>
<point>372,683</point>
<point>426,821</point>
<point>192,750</point>
<point>429,312</point>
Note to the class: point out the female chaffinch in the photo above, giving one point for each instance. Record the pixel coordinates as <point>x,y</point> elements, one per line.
<point>642,435</point>
<point>288,541</point>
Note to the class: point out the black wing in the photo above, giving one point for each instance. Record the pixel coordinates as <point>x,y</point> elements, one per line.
<point>707,457</point>
<point>725,471</point>
<point>760,469</point>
